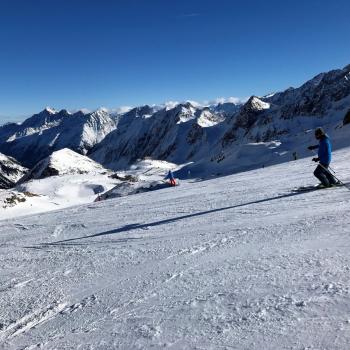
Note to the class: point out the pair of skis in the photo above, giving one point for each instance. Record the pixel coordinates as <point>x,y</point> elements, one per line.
<point>318,187</point>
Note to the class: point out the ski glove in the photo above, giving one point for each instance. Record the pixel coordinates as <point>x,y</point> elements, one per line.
<point>311,148</point>
<point>315,159</point>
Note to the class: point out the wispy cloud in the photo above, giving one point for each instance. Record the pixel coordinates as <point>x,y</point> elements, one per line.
<point>236,100</point>
<point>232,99</point>
<point>117,110</point>
<point>169,104</point>
<point>122,109</point>
<point>189,15</point>
<point>4,118</point>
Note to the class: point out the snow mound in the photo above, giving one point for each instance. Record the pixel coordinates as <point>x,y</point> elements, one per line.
<point>64,162</point>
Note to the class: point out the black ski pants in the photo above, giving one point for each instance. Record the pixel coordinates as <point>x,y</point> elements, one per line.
<point>324,175</point>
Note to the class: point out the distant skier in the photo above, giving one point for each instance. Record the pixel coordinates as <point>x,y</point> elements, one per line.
<point>324,158</point>
<point>171,178</point>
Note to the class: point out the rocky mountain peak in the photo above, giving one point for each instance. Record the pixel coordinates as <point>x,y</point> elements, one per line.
<point>48,110</point>
<point>255,104</point>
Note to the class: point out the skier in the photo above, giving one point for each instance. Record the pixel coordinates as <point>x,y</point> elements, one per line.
<point>324,158</point>
<point>171,178</point>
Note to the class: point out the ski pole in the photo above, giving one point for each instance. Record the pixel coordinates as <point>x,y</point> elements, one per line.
<point>329,168</point>
<point>341,182</point>
<point>334,175</point>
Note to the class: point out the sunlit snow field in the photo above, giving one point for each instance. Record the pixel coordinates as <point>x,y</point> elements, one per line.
<point>237,262</point>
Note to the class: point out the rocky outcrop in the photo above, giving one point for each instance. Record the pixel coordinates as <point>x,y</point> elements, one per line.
<point>347,118</point>
<point>10,171</point>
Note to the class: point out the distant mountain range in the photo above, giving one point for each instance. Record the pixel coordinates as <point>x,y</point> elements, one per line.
<point>219,138</point>
<point>50,130</point>
<point>264,130</point>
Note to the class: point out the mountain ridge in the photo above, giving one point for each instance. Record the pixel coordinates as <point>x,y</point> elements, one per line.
<point>187,132</point>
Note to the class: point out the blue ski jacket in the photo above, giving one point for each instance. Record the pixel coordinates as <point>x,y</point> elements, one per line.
<point>170,175</point>
<point>325,151</point>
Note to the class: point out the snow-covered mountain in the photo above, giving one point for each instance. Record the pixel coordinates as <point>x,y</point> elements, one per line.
<point>263,131</point>
<point>219,138</point>
<point>10,171</point>
<point>63,162</point>
<point>225,108</point>
<point>51,130</point>
<point>316,97</point>
<point>324,100</point>
<point>176,135</point>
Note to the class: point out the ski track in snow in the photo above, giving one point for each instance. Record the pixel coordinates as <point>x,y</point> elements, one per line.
<point>237,262</point>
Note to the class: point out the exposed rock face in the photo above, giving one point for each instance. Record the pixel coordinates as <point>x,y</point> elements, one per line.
<point>10,171</point>
<point>245,119</point>
<point>175,134</point>
<point>316,96</point>
<point>347,118</point>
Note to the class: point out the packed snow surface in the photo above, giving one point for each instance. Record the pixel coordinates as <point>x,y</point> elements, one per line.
<point>237,262</point>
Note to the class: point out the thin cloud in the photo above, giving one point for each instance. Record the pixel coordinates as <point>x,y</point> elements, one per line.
<point>122,109</point>
<point>232,99</point>
<point>4,119</point>
<point>169,104</point>
<point>189,15</point>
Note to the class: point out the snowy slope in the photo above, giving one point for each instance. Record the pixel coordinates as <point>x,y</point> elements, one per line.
<point>237,262</point>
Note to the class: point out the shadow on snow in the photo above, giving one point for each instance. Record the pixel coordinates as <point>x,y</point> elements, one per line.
<point>127,228</point>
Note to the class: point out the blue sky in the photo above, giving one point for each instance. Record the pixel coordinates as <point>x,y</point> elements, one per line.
<point>85,54</point>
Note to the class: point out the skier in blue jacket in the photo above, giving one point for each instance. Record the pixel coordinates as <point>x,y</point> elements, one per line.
<point>324,158</point>
<point>171,178</point>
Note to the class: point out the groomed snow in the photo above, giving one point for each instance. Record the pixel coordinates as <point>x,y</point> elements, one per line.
<point>237,262</point>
